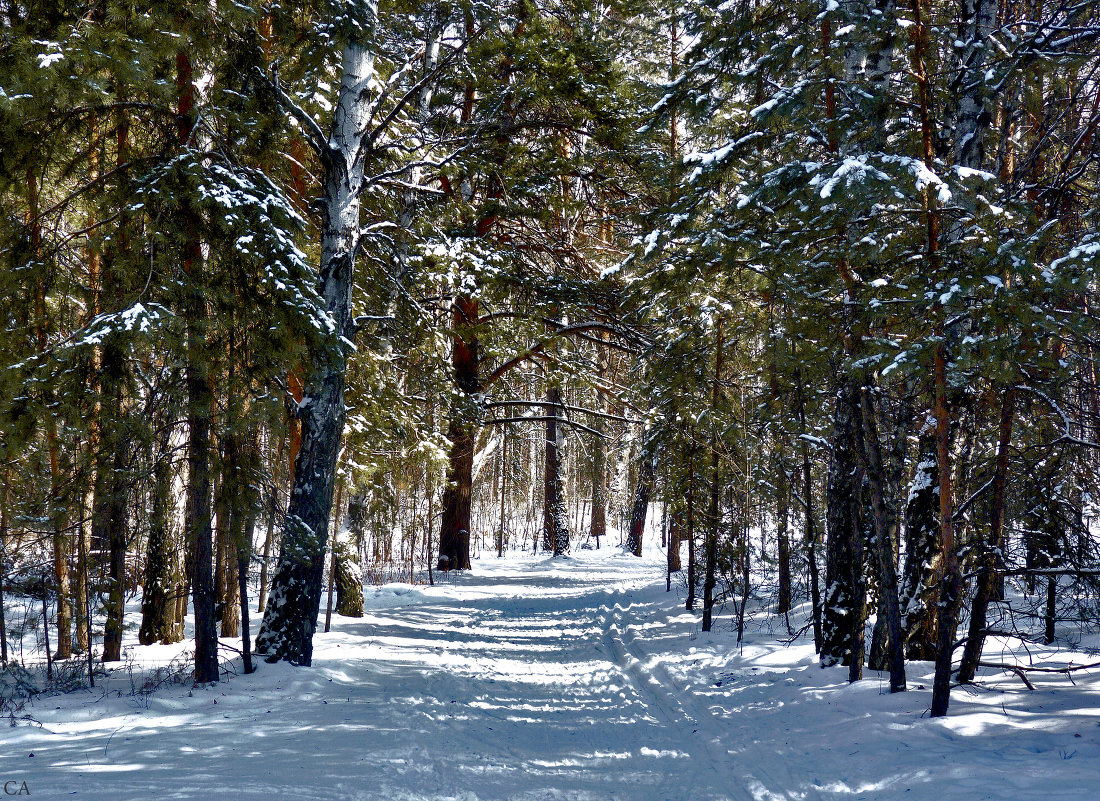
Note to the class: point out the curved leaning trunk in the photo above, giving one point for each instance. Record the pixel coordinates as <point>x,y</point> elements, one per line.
<point>290,617</point>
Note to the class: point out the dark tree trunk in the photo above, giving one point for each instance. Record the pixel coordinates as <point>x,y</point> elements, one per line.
<point>844,605</point>
<point>675,537</point>
<point>689,604</point>
<point>1051,616</point>
<point>744,559</point>
<point>109,518</point>
<point>158,600</point>
<point>919,590</point>
<point>349,582</point>
<point>975,24</point>
<point>951,584</point>
<point>640,507</point>
<point>714,524</point>
<point>80,590</point>
<point>243,528</point>
<point>221,535</point>
<point>810,536</point>
<point>55,507</point>
<point>198,514</point>
<point>60,553</point>
<point>784,545</point>
<point>555,524</point>
<point>199,403</point>
<point>883,518</point>
<point>237,500</point>
<point>244,557</point>
<point>714,516</point>
<point>109,502</point>
<point>290,618</point>
<point>599,465</point>
<point>599,491</point>
<point>454,528</point>
<point>988,578</point>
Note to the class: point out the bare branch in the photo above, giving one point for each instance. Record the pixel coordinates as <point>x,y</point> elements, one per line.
<point>580,409</point>
<point>312,130</point>
<point>544,419</point>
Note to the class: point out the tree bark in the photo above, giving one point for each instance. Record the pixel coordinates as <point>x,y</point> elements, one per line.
<point>784,549</point>
<point>714,516</point>
<point>640,508</point>
<point>454,527</point>
<point>158,600</point>
<point>349,582</point>
<point>689,604</point>
<point>291,614</point>
<point>3,565</point>
<point>599,460</point>
<point>81,592</point>
<point>109,511</point>
<point>555,525</point>
<point>199,403</point>
<point>884,541</point>
<point>238,502</point>
<point>55,507</point>
<point>991,557</point>
<point>951,584</point>
<point>810,535</point>
<point>844,606</point>
<point>714,523</point>
<point>244,557</point>
<point>920,591</point>
<point>675,537</point>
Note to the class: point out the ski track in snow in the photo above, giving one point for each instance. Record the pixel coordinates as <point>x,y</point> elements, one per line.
<point>537,679</point>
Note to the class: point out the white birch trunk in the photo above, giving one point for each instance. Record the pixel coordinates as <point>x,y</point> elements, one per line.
<point>290,617</point>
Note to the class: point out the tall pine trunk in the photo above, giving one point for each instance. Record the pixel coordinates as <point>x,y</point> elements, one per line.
<point>992,553</point>
<point>714,516</point>
<point>783,605</point>
<point>454,527</point>
<point>689,603</point>
<point>883,518</point>
<point>810,537</point>
<point>919,590</point>
<point>599,461</point>
<point>56,511</point>
<point>640,508</point>
<point>555,525</point>
<point>843,608</point>
<point>158,601</point>
<point>199,404</point>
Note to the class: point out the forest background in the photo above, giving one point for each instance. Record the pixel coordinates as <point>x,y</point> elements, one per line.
<point>820,279</point>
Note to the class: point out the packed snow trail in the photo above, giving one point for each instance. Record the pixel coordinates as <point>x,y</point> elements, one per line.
<point>536,678</point>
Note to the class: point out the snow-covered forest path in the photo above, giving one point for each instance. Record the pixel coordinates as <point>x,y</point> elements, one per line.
<point>533,678</point>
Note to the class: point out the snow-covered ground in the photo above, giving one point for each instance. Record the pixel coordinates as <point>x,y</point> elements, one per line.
<point>538,678</point>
